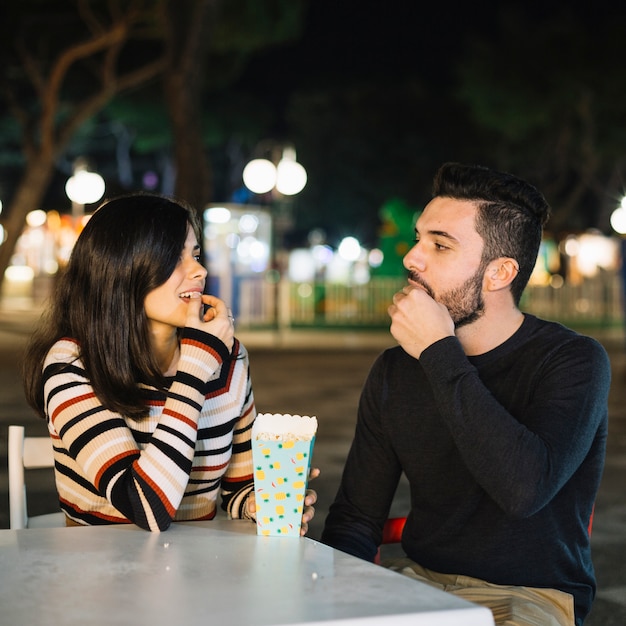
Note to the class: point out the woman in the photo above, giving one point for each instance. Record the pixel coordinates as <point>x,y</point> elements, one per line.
<point>147,396</point>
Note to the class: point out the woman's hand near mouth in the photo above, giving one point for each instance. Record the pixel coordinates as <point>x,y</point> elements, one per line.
<point>215,320</point>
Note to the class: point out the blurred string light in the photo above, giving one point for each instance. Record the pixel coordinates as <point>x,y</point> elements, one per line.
<point>36,218</point>
<point>84,187</point>
<point>349,249</point>
<point>19,274</point>
<point>590,252</point>
<point>248,223</point>
<point>291,177</point>
<point>217,215</point>
<point>618,218</point>
<point>376,257</point>
<point>322,254</point>
<point>301,267</point>
<point>288,177</point>
<point>244,231</point>
<point>259,176</point>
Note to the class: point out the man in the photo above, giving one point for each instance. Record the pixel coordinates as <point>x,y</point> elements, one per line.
<point>498,419</point>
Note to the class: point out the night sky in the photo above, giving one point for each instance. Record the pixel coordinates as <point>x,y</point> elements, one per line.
<point>366,94</point>
<point>384,45</point>
<point>368,40</point>
<point>353,42</point>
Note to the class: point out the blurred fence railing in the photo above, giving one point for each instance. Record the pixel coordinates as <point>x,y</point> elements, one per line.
<point>595,301</point>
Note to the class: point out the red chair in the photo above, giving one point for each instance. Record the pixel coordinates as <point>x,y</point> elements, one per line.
<point>392,533</point>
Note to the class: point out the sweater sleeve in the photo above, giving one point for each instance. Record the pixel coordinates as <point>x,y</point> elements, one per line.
<point>238,481</point>
<point>145,485</point>
<point>369,481</point>
<point>523,460</point>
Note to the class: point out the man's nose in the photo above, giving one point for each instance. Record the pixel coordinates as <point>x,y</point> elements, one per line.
<point>414,259</point>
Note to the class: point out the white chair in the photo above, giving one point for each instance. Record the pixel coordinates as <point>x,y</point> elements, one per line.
<point>28,453</point>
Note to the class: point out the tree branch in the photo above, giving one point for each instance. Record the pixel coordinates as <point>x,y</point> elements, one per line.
<point>90,106</point>
<point>88,17</point>
<point>31,68</point>
<point>24,120</point>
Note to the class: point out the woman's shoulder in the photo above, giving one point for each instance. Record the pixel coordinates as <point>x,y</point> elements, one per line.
<point>64,350</point>
<point>239,350</point>
<point>239,359</point>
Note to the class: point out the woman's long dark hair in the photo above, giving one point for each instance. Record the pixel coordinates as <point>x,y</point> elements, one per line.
<point>129,246</point>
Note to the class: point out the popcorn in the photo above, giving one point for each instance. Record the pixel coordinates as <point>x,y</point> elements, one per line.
<point>284,427</point>
<point>282,445</point>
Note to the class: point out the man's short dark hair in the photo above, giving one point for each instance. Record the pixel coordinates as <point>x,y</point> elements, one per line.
<point>510,217</point>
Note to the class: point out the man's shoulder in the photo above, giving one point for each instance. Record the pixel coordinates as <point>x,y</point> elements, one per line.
<point>539,326</point>
<point>395,354</point>
<point>550,336</point>
<point>395,364</point>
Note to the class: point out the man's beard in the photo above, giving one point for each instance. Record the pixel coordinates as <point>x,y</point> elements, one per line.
<point>465,303</point>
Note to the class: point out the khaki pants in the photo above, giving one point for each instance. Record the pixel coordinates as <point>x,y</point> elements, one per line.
<point>511,606</point>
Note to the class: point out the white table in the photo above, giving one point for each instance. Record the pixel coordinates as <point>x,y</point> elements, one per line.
<point>207,573</point>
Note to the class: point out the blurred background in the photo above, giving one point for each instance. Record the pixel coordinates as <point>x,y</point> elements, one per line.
<point>306,134</point>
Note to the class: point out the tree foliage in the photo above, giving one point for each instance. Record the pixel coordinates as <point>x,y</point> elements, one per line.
<point>62,69</point>
<point>547,95</point>
<point>64,61</point>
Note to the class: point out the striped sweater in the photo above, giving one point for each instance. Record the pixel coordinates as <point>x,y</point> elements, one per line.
<point>167,466</point>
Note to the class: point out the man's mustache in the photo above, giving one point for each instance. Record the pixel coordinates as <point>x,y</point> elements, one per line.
<point>417,279</point>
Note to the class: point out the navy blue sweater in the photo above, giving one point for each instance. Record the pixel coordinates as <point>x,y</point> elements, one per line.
<point>503,453</point>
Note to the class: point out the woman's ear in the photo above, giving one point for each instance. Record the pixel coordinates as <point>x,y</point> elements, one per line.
<point>500,273</point>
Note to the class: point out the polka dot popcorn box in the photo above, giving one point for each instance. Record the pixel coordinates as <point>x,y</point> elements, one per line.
<point>282,446</point>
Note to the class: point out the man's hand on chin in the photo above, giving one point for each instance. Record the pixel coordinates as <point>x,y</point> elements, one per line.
<point>417,320</point>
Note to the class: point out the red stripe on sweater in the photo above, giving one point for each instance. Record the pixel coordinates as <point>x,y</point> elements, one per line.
<point>208,468</point>
<point>180,417</point>
<point>206,517</point>
<point>71,402</point>
<point>229,378</point>
<point>203,347</point>
<point>114,461</point>
<point>247,412</point>
<point>237,479</point>
<point>157,490</point>
<point>109,518</point>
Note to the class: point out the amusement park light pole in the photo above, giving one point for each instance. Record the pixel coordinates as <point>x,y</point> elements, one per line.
<point>83,187</point>
<point>286,178</point>
<point>280,179</point>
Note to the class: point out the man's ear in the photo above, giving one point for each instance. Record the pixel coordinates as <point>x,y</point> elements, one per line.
<point>500,273</point>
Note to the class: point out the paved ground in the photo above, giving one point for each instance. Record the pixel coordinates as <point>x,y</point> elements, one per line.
<point>314,374</point>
